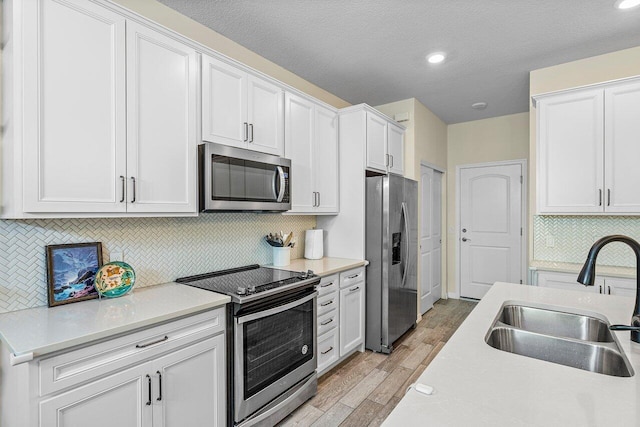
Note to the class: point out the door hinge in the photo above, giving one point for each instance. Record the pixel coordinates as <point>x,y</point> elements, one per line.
<point>521,281</point>
<point>521,231</point>
<point>520,179</point>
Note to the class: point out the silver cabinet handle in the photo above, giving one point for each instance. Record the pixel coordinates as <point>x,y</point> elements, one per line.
<point>251,130</point>
<point>246,131</point>
<point>391,161</point>
<point>152,342</point>
<point>327,322</point>
<point>609,290</point>
<point>354,276</point>
<point>318,205</point>
<point>133,198</point>
<point>387,157</point>
<point>326,284</point>
<point>608,197</point>
<point>122,181</point>
<point>600,286</point>
<point>324,304</point>
<point>354,289</point>
<point>600,197</point>
<point>327,351</point>
<point>149,383</point>
<point>314,199</point>
<point>464,239</point>
<point>159,386</point>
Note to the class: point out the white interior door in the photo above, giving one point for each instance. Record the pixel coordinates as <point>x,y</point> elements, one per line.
<point>490,227</point>
<point>430,237</point>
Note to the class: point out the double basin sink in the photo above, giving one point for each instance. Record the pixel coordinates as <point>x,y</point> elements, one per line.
<point>570,339</point>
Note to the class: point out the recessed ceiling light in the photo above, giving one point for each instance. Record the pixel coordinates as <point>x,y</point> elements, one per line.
<point>479,105</point>
<point>436,57</point>
<point>627,4</point>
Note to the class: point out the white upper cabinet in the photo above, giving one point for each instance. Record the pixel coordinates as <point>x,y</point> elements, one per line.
<point>622,148</point>
<point>395,144</point>
<point>587,151</point>
<point>377,155</point>
<point>162,79</point>
<point>311,143</point>
<point>102,114</point>
<point>73,105</point>
<point>240,109</point>
<point>385,145</point>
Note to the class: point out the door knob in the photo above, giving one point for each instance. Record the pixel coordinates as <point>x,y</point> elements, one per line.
<point>464,239</point>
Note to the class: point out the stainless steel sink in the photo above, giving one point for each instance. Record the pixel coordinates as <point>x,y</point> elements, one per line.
<point>556,323</point>
<point>569,339</point>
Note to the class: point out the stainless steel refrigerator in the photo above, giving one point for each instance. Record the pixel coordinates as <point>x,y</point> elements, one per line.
<point>391,249</point>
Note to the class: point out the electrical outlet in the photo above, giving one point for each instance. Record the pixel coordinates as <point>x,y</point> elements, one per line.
<point>116,256</point>
<point>551,241</point>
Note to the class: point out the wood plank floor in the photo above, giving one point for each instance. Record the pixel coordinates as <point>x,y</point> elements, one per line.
<point>366,387</point>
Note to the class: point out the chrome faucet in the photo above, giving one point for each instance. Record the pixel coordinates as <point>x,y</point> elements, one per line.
<point>588,274</point>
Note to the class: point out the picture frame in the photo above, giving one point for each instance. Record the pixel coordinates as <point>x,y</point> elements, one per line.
<point>71,272</point>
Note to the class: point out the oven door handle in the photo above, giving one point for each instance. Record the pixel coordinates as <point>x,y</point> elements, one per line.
<point>275,310</point>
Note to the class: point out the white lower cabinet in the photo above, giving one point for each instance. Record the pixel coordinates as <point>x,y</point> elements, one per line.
<point>352,311</point>
<point>341,317</point>
<point>167,375</point>
<point>603,284</point>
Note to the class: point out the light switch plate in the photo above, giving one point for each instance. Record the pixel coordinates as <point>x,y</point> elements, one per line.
<point>551,241</point>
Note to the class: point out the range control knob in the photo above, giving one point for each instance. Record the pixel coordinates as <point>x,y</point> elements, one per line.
<point>251,289</point>
<point>241,290</point>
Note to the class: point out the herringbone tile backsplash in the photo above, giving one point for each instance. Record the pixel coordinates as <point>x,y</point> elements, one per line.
<point>159,249</point>
<point>574,235</point>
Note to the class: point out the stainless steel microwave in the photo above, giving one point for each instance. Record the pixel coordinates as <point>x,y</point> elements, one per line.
<point>235,179</point>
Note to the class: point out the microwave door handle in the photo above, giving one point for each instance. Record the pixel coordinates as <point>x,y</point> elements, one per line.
<point>406,256</point>
<point>280,195</point>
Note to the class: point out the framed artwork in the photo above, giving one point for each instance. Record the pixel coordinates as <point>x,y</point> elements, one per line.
<point>71,272</point>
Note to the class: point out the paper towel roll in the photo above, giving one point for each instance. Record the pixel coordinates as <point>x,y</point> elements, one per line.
<point>313,244</point>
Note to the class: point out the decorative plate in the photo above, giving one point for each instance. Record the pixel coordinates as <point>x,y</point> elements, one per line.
<point>115,279</point>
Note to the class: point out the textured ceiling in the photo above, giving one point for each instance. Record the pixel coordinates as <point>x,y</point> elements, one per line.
<point>374,51</point>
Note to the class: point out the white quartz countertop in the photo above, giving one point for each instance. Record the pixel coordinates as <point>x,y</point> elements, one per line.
<point>37,331</point>
<point>323,266</point>
<point>478,385</point>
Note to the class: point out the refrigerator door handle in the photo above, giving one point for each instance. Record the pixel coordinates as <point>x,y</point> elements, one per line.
<point>405,256</point>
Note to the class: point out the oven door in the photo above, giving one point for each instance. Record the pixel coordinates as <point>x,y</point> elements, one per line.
<point>239,179</point>
<point>274,350</point>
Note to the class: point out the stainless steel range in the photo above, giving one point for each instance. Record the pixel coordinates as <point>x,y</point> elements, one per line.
<point>272,334</point>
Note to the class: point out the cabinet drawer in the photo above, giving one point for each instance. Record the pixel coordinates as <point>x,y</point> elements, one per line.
<point>348,278</point>
<point>328,284</point>
<point>87,363</point>
<point>328,321</point>
<point>328,350</point>
<point>328,302</point>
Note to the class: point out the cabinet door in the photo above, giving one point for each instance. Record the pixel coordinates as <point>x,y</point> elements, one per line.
<point>622,148</point>
<point>224,103</point>
<point>620,286</point>
<point>376,143</point>
<point>549,279</point>
<point>570,153</point>
<point>117,400</point>
<point>265,117</point>
<point>298,148</point>
<point>351,317</point>
<point>325,160</point>
<point>190,386</point>
<point>161,145</point>
<point>74,135</point>
<point>395,142</point>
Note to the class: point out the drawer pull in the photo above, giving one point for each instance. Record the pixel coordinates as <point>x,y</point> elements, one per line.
<point>153,342</point>
<point>327,322</point>
<point>324,304</point>
<point>327,351</point>
<point>159,386</point>
<point>354,289</point>
<point>149,382</point>
<point>354,276</point>
<point>326,284</point>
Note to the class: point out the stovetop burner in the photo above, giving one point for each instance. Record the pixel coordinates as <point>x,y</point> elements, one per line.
<point>251,282</point>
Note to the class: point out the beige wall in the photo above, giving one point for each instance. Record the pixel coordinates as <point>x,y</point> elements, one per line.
<point>173,20</point>
<point>481,141</point>
<point>425,141</point>
<point>597,69</point>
